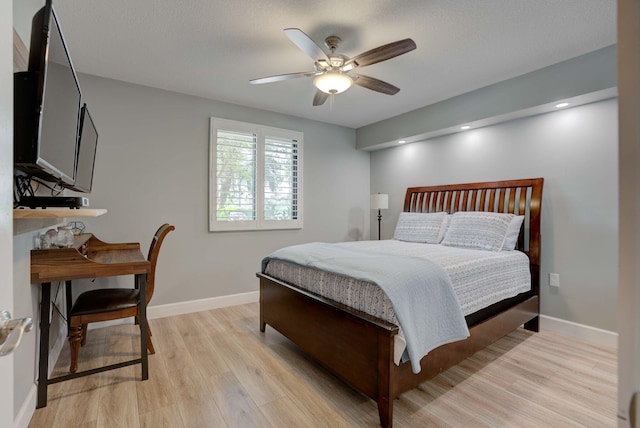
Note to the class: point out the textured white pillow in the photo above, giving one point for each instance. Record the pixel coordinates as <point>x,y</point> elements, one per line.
<point>477,229</point>
<point>511,237</point>
<point>445,226</point>
<point>420,227</point>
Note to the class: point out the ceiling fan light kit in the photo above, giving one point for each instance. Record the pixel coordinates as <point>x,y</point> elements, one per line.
<point>333,82</point>
<point>333,71</point>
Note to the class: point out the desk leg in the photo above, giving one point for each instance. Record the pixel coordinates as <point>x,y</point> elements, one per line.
<point>141,282</point>
<point>43,363</point>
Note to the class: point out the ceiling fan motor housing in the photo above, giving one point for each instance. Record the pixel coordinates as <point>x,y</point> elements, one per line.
<point>332,42</point>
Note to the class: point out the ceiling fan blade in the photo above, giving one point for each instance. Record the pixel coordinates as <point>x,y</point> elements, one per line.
<point>319,98</point>
<point>384,52</point>
<point>305,43</point>
<point>278,78</point>
<point>375,84</point>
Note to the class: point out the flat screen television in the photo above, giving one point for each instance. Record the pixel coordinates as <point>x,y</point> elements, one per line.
<point>87,145</point>
<point>47,100</point>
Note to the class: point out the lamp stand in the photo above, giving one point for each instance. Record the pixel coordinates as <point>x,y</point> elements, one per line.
<point>379,220</point>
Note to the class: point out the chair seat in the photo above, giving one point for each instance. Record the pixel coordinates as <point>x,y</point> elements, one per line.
<point>105,300</point>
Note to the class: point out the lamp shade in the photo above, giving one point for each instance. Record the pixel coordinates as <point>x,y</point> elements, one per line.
<point>333,82</point>
<point>379,201</point>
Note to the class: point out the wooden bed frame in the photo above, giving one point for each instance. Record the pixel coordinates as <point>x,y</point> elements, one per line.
<point>359,348</point>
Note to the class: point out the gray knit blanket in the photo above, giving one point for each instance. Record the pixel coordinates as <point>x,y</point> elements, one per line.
<point>420,291</point>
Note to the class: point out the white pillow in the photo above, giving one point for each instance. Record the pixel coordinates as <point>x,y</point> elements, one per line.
<point>445,226</point>
<point>477,229</point>
<point>420,227</point>
<point>511,237</point>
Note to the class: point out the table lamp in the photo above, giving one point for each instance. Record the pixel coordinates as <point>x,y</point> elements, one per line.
<point>379,201</point>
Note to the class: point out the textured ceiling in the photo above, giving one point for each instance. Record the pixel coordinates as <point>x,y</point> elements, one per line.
<point>212,48</point>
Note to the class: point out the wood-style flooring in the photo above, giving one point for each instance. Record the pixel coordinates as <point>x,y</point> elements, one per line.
<point>215,369</point>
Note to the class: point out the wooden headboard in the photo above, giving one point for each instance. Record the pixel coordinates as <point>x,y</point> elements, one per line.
<point>521,197</point>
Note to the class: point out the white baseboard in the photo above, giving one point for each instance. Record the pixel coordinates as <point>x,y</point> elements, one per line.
<point>172,309</point>
<point>586,333</point>
<point>23,417</point>
<point>181,308</point>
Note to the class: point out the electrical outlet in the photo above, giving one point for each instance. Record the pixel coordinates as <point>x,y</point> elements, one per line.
<point>554,279</point>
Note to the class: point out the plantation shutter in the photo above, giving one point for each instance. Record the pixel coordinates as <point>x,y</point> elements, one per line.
<point>255,177</point>
<point>280,179</point>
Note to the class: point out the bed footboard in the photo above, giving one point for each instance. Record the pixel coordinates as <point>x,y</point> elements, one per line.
<point>358,348</point>
<point>361,353</point>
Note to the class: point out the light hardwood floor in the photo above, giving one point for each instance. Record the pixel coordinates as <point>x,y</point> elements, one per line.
<point>215,369</point>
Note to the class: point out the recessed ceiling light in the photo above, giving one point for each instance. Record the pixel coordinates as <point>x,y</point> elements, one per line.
<point>465,127</point>
<point>562,105</point>
<point>401,142</point>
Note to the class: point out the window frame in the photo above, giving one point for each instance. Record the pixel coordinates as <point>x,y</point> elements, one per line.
<point>261,132</point>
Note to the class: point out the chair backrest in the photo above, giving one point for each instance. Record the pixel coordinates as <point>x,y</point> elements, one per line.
<point>154,251</point>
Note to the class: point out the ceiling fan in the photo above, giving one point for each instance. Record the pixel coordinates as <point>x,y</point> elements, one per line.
<point>334,73</point>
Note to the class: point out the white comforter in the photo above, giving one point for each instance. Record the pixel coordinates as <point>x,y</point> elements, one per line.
<point>480,278</point>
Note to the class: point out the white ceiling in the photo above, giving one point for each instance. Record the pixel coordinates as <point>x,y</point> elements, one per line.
<point>212,48</point>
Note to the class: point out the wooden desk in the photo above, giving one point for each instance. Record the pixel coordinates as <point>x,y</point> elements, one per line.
<point>88,258</point>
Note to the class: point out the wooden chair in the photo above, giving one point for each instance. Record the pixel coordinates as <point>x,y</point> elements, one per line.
<point>111,303</point>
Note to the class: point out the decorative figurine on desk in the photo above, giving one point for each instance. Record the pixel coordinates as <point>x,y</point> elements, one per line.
<point>48,239</point>
<point>77,227</point>
<point>42,242</point>
<point>64,238</point>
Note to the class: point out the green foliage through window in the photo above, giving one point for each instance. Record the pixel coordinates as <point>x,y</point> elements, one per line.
<point>280,179</point>
<point>235,176</point>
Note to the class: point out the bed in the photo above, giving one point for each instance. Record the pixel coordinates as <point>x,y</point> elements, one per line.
<point>361,348</point>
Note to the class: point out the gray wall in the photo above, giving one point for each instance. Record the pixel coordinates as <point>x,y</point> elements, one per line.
<point>576,152</point>
<point>23,11</point>
<point>152,167</point>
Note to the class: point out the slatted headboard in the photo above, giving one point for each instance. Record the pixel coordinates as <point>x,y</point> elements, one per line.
<point>521,197</point>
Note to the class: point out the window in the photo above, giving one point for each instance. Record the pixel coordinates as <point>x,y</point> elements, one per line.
<point>255,177</point>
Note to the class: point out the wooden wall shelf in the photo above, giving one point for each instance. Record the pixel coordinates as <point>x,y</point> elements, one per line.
<point>27,213</point>
<point>27,220</point>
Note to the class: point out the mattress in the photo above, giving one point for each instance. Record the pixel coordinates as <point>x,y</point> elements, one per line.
<point>479,278</point>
